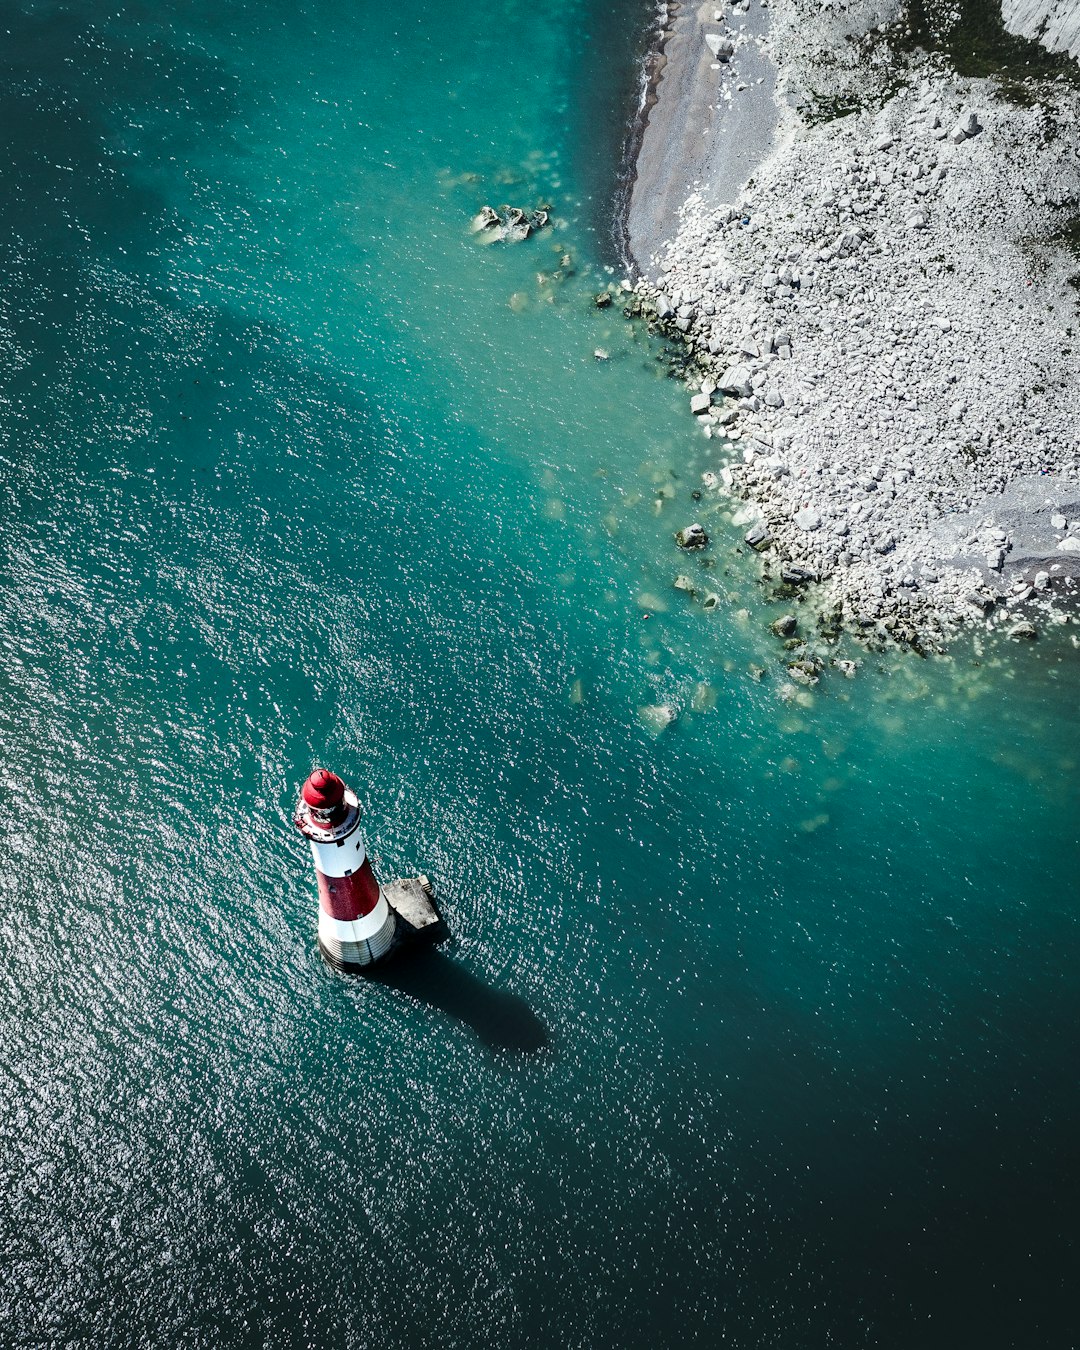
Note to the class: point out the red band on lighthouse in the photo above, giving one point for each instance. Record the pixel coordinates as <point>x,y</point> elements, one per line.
<point>356,925</point>
<point>348,897</point>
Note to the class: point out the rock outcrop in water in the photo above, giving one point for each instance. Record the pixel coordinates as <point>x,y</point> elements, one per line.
<point>509,223</point>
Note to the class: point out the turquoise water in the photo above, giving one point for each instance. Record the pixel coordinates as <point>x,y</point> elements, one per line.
<point>760,1031</point>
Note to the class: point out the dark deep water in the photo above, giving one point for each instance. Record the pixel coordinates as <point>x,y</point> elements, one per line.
<point>759,1032</point>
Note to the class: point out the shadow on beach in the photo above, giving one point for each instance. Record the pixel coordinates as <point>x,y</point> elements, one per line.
<point>502,1021</point>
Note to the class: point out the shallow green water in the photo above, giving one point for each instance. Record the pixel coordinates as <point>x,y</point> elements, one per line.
<point>760,1032</point>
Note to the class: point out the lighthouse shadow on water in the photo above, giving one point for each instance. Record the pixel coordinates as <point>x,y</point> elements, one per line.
<point>501,1020</point>
<point>388,933</point>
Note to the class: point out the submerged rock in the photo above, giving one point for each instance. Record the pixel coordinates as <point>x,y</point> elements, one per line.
<point>785,626</point>
<point>657,717</point>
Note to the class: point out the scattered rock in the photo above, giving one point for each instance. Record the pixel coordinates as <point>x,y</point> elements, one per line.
<point>758,538</point>
<point>1024,630</point>
<point>784,627</point>
<point>721,47</point>
<point>805,671</point>
<point>692,536</point>
<point>602,299</point>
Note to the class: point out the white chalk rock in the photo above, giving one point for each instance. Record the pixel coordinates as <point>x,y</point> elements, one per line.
<point>736,380</point>
<point>721,47</point>
<point>807,519</point>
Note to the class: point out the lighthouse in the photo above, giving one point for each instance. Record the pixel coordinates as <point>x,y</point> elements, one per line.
<point>360,921</point>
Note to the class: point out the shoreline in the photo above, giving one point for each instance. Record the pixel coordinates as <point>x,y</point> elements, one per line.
<point>706,120</point>
<point>651,71</point>
<point>882,319</point>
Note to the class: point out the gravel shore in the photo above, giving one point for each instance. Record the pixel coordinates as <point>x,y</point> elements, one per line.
<point>884,316</point>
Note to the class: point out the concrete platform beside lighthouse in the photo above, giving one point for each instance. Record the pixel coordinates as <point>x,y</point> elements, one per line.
<point>419,920</point>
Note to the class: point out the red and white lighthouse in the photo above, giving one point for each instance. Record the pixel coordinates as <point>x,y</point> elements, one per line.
<point>360,921</point>
<point>356,923</point>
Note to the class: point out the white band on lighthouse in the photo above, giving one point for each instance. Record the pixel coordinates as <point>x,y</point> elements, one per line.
<point>341,857</point>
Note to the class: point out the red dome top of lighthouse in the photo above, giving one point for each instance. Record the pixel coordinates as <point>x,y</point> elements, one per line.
<point>323,790</point>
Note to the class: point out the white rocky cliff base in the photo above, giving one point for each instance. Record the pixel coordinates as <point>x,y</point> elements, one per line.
<point>887,325</point>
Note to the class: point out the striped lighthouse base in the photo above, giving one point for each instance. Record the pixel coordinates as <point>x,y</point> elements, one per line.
<point>353,944</point>
<point>406,915</point>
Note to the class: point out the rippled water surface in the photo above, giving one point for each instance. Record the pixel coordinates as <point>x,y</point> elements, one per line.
<point>759,1031</point>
